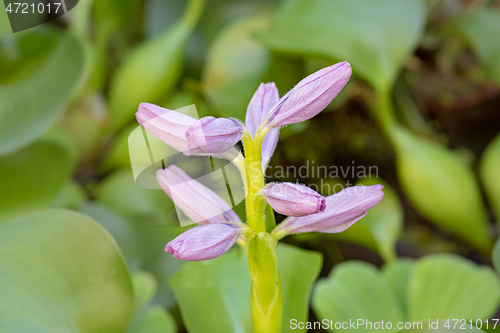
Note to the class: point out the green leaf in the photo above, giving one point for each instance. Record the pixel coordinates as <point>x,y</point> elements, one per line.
<point>488,170</point>
<point>145,286</point>
<point>381,227</point>
<point>155,320</point>
<point>448,286</point>
<point>148,319</point>
<point>148,220</point>
<point>214,295</point>
<point>235,66</point>
<point>31,178</point>
<point>397,273</point>
<point>355,290</point>
<point>61,271</point>
<point>152,69</point>
<point>120,192</point>
<point>480,29</point>
<point>442,188</point>
<point>21,55</point>
<point>28,108</point>
<point>376,37</point>
<point>121,230</point>
<point>299,270</point>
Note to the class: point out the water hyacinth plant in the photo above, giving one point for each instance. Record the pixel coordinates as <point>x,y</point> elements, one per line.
<point>218,225</point>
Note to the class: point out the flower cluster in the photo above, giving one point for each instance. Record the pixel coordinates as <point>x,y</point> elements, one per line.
<point>219,226</point>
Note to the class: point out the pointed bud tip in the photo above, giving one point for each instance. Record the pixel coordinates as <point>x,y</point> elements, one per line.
<point>322,205</point>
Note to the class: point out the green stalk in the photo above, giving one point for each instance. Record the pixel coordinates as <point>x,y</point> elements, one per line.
<point>266,293</point>
<point>261,248</point>
<point>255,203</point>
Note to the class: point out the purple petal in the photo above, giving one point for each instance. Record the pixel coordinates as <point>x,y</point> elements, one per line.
<point>310,96</point>
<point>167,125</point>
<point>197,201</point>
<point>293,199</point>
<point>342,210</point>
<point>269,146</point>
<point>264,98</point>
<point>204,242</point>
<point>211,135</point>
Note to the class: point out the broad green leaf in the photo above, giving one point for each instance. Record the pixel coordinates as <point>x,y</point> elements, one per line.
<point>381,227</point>
<point>21,55</point>
<point>152,68</point>
<point>397,273</point>
<point>299,270</point>
<point>148,218</point>
<point>449,286</point>
<point>155,320</point>
<point>376,37</point>
<point>235,66</point>
<point>28,108</point>
<point>32,178</point>
<point>214,295</point>
<point>147,319</point>
<point>442,188</point>
<point>120,192</point>
<point>480,29</point>
<point>356,290</point>
<point>62,272</point>
<point>488,170</point>
<point>145,286</point>
<point>121,230</point>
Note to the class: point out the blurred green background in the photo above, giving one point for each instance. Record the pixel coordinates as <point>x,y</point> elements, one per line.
<point>81,245</point>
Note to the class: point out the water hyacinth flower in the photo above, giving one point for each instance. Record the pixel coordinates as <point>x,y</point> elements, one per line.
<point>293,199</point>
<point>261,103</point>
<point>198,202</point>
<point>309,97</point>
<point>205,242</point>
<point>210,135</point>
<point>219,226</point>
<point>343,209</point>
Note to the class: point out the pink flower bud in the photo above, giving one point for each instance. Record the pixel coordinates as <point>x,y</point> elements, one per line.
<point>211,135</point>
<point>167,125</point>
<point>197,201</point>
<point>310,96</point>
<point>343,209</point>
<point>293,199</point>
<point>204,242</point>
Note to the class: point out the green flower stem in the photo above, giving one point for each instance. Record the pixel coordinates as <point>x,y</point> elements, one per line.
<point>266,293</point>
<point>255,204</point>
<point>261,247</point>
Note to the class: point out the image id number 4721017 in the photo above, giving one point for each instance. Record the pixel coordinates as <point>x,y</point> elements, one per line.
<point>464,324</point>
<point>31,8</point>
